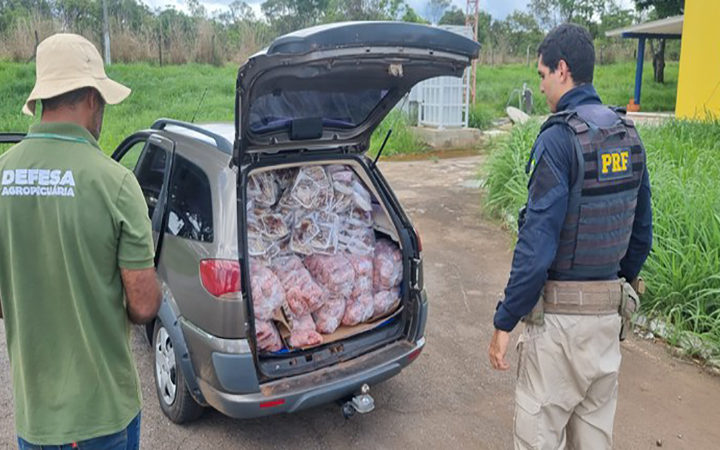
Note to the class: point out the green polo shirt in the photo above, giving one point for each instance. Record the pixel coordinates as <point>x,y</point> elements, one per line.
<point>70,218</point>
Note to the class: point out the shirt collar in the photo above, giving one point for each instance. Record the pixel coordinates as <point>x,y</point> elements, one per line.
<point>64,129</point>
<point>585,94</point>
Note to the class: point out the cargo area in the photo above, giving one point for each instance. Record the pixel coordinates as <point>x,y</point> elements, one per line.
<point>325,263</point>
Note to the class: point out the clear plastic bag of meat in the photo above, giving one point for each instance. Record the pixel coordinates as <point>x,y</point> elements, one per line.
<point>360,306</point>
<point>329,317</point>
<point>285,178</point>
<point>274,226</point>
<point>267,292</point>
<point>312,189</point>
<point>361,196</point>
<point>260,247</point>
<point>267,336</point>
<point>388,267</point>
<point>263,189</point>
<point>334,272</point>
<point>302,294</point>
<point>342,181</point>
<point>304,333</point>
<point>341,203</point>
<point>359,309</point>
<point>303,233</point>
<point>384,301</point>
<point>356,240</point>
<point>326,241</point>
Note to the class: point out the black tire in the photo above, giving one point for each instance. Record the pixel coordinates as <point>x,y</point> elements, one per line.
<point>178,406</point>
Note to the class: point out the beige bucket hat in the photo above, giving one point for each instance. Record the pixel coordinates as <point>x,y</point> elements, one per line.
<point>66,62</point>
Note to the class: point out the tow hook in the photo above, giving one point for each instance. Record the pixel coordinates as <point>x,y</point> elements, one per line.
<point>363,403</point>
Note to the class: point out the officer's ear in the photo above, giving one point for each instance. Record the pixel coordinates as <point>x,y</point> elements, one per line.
<point>564,72</point>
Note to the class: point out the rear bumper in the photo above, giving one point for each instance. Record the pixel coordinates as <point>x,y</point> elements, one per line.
<point>318,387</point>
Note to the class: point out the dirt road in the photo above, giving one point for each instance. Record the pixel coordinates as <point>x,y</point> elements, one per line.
<point>450,397</point>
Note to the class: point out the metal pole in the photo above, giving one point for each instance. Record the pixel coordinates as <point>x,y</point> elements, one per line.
<point>106,34</point>
<point>639,69</point>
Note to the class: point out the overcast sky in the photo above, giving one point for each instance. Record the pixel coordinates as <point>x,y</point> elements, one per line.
<point>497,8</point>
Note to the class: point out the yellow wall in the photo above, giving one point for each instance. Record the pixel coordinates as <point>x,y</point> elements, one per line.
<point>698,93</point>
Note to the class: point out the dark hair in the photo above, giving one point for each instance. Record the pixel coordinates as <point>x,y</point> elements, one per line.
<point>68,98</point>
<point>573,44</point>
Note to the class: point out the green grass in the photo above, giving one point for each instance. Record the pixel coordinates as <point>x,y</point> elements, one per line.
<point>683,270</point>
<point>175,92</point>
<point>615,84</point>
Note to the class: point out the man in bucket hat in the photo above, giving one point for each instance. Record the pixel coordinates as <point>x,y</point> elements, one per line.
<point>76,254</point>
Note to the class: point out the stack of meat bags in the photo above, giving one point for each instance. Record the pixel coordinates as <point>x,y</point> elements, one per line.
<point>313,229</point>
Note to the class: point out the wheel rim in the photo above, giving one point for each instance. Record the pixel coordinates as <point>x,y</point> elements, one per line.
<point>165,370</point>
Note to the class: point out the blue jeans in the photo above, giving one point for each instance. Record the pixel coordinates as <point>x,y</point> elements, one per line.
<point>127,439</point>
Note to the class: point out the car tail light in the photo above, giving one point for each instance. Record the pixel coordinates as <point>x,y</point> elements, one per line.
<point>220,276</point>
<point>415,353</point>
<point>272,403</point>
<point>419,241</point>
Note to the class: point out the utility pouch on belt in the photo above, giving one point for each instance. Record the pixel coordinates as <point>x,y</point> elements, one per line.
<point>629,304</point>
<point>537,315</point>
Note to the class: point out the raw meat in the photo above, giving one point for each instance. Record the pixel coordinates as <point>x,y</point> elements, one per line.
<point>384,301</point>
<point>267,291</point>
<point>359,309</point>
<point>263,189</point>
<point>356,240</point>
<point>302,235</point>
<point>360,306</point>
<point>267,336</point>
<point>326,241</point>
<point>328,318</point>
<point>361,196</point>
<point>334,272</point>
<point>388,266</point>
<point>274,226</point>
<point>302,294</point>
<point>312,189</point>
<point>303,333</point>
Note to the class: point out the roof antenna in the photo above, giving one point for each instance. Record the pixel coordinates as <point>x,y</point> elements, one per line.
<point>198,106</point>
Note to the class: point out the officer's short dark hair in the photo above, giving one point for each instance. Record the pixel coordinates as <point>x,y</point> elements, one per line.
<point>68,98</point>
<point>573,44</point>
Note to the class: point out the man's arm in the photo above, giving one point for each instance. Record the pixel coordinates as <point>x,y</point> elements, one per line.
<point>537,238</point>
<point>641,238</point>
<point>143,294</point>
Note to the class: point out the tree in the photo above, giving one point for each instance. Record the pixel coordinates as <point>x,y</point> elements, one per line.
<point>453,16</point>
<point>285,16</point>
<point>435,8</point>
<point>661,9</point>
<point>551,13</point>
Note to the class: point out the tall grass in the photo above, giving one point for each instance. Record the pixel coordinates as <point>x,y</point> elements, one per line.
<point>683,270</point>
<point>614,82</point>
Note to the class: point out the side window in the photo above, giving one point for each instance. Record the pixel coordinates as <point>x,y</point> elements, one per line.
<point>130,158</point>
<point>150,173</point>
<point>190,214</point>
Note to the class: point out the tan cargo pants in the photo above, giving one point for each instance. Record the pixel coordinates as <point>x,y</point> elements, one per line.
<point>567,382</point>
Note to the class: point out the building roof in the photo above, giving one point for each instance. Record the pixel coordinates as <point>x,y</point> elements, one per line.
<point>668,28</point>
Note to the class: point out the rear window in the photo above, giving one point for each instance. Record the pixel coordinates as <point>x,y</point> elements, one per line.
<point>275,110</point>
<point>190,214</point>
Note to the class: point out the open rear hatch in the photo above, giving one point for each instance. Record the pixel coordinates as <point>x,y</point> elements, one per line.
<point>321,227</point>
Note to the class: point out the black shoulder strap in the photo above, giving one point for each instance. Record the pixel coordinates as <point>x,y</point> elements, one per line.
<point>622,115</point>
<point>569,118</point>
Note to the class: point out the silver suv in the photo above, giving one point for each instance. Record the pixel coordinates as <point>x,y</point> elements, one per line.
<point>312,97</point>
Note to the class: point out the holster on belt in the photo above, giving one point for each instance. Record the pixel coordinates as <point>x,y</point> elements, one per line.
<point>629,305</point>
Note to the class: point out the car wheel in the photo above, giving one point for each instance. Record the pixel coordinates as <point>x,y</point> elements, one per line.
<point>173,395</point>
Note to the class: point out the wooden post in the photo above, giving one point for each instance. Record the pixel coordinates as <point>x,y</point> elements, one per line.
<point>160,46</point>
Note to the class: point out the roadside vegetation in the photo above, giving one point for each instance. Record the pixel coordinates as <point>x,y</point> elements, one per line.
<point>682,272</point>
<point>614,82</point>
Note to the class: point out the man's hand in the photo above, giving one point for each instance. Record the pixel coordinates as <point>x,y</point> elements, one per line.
<point>498,348</point>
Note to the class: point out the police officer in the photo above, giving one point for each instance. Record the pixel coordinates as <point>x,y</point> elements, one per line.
<point>586,228</point>
<point>76,259</point>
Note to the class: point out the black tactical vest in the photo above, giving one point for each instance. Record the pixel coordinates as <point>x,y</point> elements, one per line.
<point>601,207</point>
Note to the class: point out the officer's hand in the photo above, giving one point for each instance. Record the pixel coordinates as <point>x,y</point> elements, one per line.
<point>498,348</point>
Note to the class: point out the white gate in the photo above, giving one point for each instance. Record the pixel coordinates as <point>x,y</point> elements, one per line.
<point>443,102</point>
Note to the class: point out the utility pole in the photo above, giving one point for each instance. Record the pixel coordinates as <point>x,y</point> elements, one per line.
<point>106,34</point>
<point>471,19</point>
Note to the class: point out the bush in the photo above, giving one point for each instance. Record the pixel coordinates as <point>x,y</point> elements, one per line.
<point>683,269</point>
<point>402,140</point>
<point>481,116</point>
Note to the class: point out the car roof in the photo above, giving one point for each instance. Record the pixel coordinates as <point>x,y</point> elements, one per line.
<point>219,135</point>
